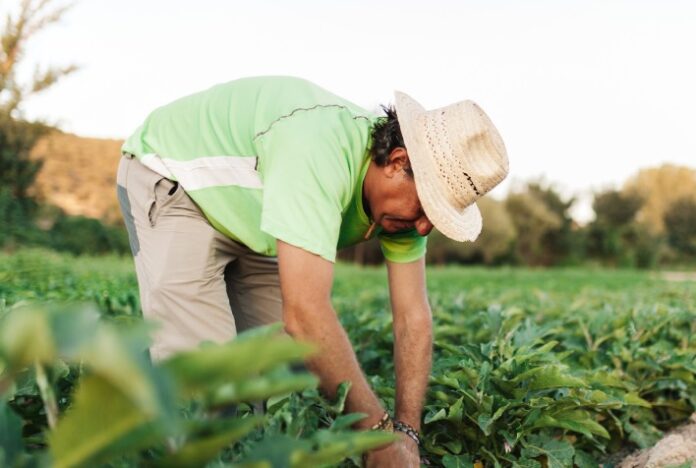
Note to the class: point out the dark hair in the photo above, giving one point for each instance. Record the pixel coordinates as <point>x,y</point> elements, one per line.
<point>386,136</point>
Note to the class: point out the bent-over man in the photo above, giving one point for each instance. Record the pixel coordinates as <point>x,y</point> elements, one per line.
<point>237,198</point>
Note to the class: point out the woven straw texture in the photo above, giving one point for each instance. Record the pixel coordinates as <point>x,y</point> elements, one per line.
<point>457,156</point>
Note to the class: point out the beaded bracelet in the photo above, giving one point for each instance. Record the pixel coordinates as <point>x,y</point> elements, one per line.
<point>408,430</point>
<point>386,423</point>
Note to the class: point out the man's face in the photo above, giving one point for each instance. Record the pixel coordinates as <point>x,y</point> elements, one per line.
<point>394,203</point>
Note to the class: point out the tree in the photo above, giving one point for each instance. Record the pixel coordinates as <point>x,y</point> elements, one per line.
<point>680,224</point>
<point>562,244</point>
<point>615,237</point>
<point>17,136</point>
<point>616,209</point>
<point>533,220</point>
<point>659,187</point>
<point>33,16</point>
<point>494,243</point>
<point>17,169</point>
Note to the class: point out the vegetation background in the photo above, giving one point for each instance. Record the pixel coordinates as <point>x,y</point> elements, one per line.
<point>69,204</point>
<point>57,190</point>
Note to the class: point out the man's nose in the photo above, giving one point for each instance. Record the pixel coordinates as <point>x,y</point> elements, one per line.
<point>424,226</point>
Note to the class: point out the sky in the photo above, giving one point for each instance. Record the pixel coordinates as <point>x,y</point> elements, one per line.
<point>584,93</point>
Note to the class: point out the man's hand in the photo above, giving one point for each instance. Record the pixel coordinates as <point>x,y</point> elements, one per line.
<point>413,340</point>
<point>411,449</point>
<point>400,454</point>
<point>305,282</point>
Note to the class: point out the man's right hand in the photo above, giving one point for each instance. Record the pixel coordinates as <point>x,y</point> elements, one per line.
<point>305,282</point>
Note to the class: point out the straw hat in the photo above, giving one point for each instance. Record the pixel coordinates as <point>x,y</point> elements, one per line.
<point>457,156</point>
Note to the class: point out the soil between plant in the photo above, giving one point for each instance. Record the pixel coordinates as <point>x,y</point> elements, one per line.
<point>676,448</point>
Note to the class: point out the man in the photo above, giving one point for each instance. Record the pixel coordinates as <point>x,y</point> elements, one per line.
<point>236,199</point>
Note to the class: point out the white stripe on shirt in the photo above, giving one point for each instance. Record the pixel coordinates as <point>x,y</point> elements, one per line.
<point>205,172</point>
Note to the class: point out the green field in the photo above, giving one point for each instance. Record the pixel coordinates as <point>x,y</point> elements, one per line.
<point>531,367</point>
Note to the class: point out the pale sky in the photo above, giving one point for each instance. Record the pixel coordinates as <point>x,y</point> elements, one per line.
<point>584,92</point>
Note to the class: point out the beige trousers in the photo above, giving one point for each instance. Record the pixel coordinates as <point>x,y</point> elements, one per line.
<point>195,284</point>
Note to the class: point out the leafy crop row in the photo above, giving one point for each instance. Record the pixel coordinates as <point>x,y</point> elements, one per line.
<point>548,368</point>
<point>531,368</point>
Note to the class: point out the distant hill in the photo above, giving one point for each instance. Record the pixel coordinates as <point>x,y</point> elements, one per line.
<point>79,174</point>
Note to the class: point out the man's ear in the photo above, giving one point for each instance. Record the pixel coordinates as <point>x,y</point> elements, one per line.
<point>398,160</point>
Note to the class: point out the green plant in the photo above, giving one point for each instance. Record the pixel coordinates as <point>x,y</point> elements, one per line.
<point>87,394</point>
<point>530,368</point>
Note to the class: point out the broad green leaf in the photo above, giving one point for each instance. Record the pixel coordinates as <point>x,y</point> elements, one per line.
<point>215,364</point>
<point>484,374</point>
<point>532,416</point>
<point>485,422</point>
<point>492,457</point>
<point>435,448</point>
<point>447,381</point>
<point>43,333</point>
<point>11,444</point>
<point>456,411</point>
<point>547,347</point>
<point>341,395</point>
<point>114,356</point>
<point>642,434</point>
<point>252,464</point>
<point>446,346</point>
<point>531,373</point>
<point>100,418</point>
<point>203,448</point>
<point>259,388</point>
<point>526,463</point>
<point>522,357</point>
<point>510,440</point>
<point>454,446</point>
<point>277,451</point>
<point>345,421</point>
<point>608,380</point>
<point>277,400</point>
<point>558,453</point>
<point>141,438</point>
<point>443,397</point>
<point>600,399</point>
<point>26,338</point>
<point>340,446</point>
<point>529,334</point>
<point>549,376</point>
<point>73,327</point>
<point>440,415</point>
<point>457,461</point>
<point>574,420</point>
<point>584,460</point>
<point>635,400</point>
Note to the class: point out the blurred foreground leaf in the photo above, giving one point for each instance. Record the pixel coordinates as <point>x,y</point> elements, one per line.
<point>100,421</point>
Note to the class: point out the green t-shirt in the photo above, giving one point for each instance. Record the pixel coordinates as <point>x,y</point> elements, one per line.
<point>271,158</point>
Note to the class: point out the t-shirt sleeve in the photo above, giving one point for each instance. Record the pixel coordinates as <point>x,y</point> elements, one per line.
<point>306,181</point>
<point>403,247</point>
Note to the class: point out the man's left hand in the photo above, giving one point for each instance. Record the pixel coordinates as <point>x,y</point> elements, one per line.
<point>411,449</point>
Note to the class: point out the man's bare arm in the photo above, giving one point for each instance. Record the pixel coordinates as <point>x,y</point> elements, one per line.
<point>413,338</point>
<point>306,280</point>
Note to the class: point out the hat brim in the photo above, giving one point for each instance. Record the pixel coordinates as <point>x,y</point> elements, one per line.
<point>457,224</point>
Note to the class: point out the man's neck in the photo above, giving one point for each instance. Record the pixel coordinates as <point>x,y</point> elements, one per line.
<point>366,189</point>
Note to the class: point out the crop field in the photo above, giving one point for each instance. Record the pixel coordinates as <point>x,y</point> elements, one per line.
<point>531,368</point>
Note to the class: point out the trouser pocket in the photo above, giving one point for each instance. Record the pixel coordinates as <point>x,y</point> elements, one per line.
<point>164,193</point>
